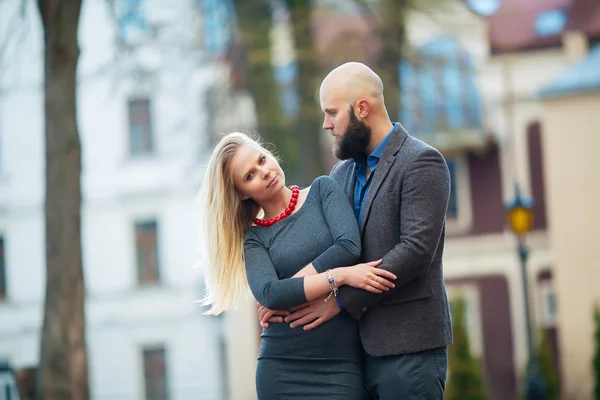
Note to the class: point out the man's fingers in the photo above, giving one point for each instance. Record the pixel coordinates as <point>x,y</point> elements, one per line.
<point>268,315</point>
<point>299,307</point>
<point>314,324</point>
<point>298,314</point>
<point>262,313</point>
<point>304,320</point>
<point>275,319</point>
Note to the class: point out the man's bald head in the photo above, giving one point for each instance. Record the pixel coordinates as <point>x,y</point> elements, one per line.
<point>351,97</point>
<point>353,81</point>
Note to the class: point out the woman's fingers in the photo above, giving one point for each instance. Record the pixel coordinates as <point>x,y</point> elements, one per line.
<point>372,289</point>
<point>384,273</point>
<point>380,286</point>
<point>387,284</point>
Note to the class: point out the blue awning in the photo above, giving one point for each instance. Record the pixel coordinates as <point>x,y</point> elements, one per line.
<point>580,78</point>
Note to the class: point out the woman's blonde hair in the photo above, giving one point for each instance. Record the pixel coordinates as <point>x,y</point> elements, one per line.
<point>225,219</point>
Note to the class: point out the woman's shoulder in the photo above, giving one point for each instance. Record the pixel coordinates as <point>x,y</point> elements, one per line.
<point>323,181</point>
<point>252,234</point>
<point>326,184</point>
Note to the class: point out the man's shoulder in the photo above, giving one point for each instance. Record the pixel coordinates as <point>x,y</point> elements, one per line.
<point>340,169</point>
<point>415,149</point>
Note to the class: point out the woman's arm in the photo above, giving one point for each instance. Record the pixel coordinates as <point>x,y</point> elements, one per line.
<point>340,219</point>
<point>276,294</point>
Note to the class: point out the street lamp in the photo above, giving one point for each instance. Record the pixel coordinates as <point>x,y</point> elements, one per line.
<point>520,217</point>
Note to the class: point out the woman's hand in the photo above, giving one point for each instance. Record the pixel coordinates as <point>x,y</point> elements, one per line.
<point>365,276</point>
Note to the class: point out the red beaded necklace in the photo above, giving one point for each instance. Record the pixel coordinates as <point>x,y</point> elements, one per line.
<point>288,211</point>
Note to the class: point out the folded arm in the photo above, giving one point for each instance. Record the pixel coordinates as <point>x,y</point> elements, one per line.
<point>424,200</point>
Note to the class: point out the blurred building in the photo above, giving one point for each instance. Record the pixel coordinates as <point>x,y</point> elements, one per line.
<point>471,78</point>
<point>143,117</point>
<point>570,117</point>
<point>473,92</point>
<point>506,89</point>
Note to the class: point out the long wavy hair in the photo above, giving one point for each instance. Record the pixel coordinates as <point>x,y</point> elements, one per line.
<point>226,217</point>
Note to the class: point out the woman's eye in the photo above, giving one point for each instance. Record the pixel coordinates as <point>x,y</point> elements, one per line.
<point>262,159</point>
<point>249,176</point>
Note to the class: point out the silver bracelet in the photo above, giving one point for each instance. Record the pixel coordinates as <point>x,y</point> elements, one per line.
<point>332,285</point>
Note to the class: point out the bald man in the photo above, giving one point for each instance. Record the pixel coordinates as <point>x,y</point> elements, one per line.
<point>399,189</point>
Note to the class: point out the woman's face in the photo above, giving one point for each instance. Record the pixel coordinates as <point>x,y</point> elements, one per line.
<point>256,174</point>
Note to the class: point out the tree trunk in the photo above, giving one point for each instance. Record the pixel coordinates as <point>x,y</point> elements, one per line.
<point>296,139</point>
<point>392,35</point>
<point>307,126</point>
<point>254,22</point>
<point>63,364</point>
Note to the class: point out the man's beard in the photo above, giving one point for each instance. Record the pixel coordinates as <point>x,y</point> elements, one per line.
<point>354,141</point>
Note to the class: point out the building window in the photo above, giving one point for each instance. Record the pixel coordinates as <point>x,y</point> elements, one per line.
<point>547,304</point>
<point>146,240</point>
<point>2,270</point>
<point>459,214</point>
<point>132,21</point>
<point>469,294</point>
<point>218,20</point>
<point>155,373</point>
<point>439,92</point>
<point>452,211</point>
<point>140,127</point>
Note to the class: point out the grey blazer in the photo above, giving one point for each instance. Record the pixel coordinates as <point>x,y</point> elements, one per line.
<point>403,222</point>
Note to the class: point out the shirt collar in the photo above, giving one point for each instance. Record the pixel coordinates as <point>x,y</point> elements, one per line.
<point>374,157</point>
<point>378,152</point>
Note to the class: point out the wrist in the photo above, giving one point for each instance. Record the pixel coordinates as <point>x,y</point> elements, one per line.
<point>339,276</point>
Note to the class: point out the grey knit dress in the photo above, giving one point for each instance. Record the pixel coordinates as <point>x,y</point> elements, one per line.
<point>323,363</point>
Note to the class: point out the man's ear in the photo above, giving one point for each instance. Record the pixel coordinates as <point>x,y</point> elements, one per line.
<point>363,108</point>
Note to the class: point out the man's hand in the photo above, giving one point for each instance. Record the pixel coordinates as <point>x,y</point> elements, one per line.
<point>265,315</point>
<point>313,313</point>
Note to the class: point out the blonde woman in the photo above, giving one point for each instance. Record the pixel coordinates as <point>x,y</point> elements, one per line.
<point>290,246</point>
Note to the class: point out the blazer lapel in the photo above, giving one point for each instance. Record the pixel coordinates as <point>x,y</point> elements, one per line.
<point>386,162</point>
<point>350,182</point>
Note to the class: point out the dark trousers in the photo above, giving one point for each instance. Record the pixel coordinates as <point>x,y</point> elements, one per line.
<point>419,376</point>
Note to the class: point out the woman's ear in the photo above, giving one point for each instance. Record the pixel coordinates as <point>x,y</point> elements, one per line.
<point>244,196</point>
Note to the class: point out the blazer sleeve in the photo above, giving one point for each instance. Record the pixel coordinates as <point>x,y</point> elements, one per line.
<point>424,200</point>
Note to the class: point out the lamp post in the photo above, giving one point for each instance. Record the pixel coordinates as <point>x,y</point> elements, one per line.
<point>520,217</point>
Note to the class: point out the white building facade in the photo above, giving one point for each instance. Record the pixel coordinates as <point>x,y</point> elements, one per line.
<point>143,145</point>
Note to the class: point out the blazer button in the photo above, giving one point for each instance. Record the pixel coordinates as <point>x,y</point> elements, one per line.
<point>364,309</point>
